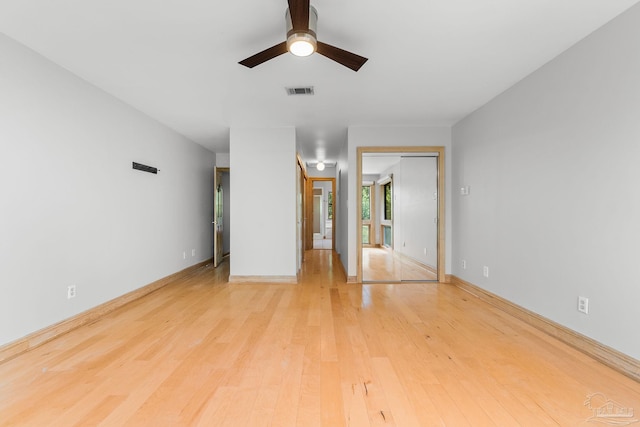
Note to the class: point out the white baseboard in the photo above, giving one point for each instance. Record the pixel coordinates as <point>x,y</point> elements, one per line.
<point>263,279</point>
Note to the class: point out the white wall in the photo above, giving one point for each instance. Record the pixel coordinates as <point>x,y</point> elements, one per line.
<point>554,203</point>
<point>376,136</point>
<point>73,211</point>
<point>263,201</point>
<point>223,160</point>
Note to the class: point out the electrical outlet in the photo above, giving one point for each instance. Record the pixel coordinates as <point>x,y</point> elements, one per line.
<point>184,255</point>
<point>583,305</point>
<point>71,291</point>
<point>464,264</point>
<point>485,271</point>
<point>193,252</point>
<point>425,251</point>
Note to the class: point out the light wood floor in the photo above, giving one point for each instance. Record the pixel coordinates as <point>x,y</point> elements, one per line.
<point>385,265</point>
<point>205,352</point>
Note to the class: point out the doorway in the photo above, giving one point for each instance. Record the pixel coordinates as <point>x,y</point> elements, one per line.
<point>321,213</point>
<point>221,215</point>
<point>400,234</point>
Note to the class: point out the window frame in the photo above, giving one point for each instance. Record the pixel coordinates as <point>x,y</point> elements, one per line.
<point>368,223</point>
<point>387,202</point>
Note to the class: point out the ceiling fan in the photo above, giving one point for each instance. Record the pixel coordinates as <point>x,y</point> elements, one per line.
<point>301,40</point>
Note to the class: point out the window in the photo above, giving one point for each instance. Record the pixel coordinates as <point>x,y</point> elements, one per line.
<point>366,231</point>
<point>386,189</point>
<point>366,203</point>
<point>366,214</point>
<point>330,203</point>
<point>386,236</point>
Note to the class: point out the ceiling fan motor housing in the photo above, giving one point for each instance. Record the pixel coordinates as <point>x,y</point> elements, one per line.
<point>305,36</point>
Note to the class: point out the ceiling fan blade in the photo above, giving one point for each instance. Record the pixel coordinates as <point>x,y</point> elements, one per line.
<point>348,59</point>
<point>299,10</point>
<point>265,55</point>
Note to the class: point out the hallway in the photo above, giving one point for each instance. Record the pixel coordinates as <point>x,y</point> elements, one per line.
<point>201,351</point>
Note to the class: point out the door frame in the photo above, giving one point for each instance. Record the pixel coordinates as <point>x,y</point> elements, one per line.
<point>302,181</point>
<point>441,200</point>
<point>218,253</point>
<point>309,211</point>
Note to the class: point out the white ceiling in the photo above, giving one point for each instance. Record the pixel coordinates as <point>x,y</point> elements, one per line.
<point>430,62</point>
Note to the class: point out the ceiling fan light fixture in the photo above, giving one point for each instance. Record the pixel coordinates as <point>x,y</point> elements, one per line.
<point>302,40</point>
<point>301,44</point>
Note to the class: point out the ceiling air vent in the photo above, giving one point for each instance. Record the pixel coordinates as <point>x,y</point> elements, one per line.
<point>308,90</point>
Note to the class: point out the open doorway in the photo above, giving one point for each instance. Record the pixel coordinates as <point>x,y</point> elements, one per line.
<point>221,215</point>
<point>399,233</point>
<point>321,209</point>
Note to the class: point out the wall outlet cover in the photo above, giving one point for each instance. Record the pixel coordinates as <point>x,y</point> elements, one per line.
<point>583,305</point>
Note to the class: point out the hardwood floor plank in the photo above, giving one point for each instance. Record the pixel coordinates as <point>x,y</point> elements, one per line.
<point>329,352</point>
<point>261,414</point>
<point>99,412</point>
<point>291,368</point>
<point>148,377</point>
<point>447,407</point>
<point>355,408</point>
<point>204,391</point>
<point>332,414</point>
<point>216,407</point>
<point>402,413</point>
<point>239,411</point>
<point>309,406</point>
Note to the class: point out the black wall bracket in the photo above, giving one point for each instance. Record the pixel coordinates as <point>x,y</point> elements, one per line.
<point>145,168</point>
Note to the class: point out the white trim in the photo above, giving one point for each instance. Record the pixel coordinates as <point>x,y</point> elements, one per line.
<point>385,180</point>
